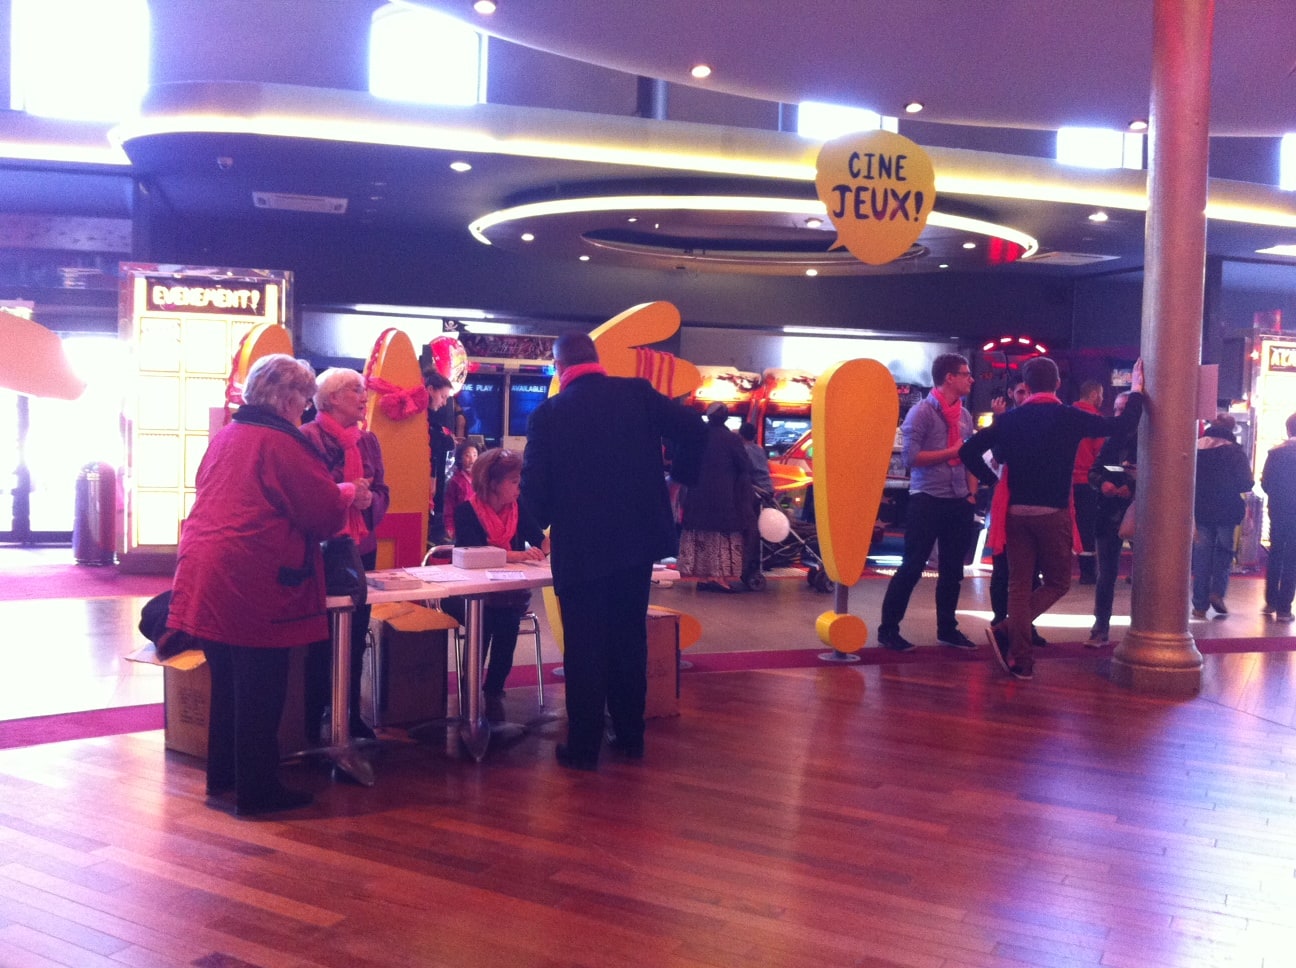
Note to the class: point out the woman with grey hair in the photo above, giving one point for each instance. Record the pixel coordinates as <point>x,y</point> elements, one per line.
<point>249,580</point>
<point>354,458</point>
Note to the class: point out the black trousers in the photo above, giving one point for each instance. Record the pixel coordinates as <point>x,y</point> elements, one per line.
<point>498,638</point>
<point>248,686</point>
<point>318,689</point>
<point>930,519</point>
<point>605,657</point>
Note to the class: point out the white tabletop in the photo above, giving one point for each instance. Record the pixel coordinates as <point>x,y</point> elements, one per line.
<point>455,581</point>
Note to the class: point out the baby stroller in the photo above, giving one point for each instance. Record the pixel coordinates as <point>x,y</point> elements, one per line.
<point>784,542</point>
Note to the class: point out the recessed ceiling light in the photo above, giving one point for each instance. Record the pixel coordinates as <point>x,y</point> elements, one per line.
<point>632,218</point>
<point>484,7</point>
<point>913,107</point>
<point>584,258</point>
<point>812,272</point>
<point>460,166</point>
<point>813,223</point>
<point>969,245</point>
<point>1138,124</point>
<point>700,71</point>
<point>944,265</point>
<point>1098,217</point>
<point>527,237</point>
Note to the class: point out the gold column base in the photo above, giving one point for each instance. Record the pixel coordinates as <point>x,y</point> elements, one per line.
<point>1157,662</point>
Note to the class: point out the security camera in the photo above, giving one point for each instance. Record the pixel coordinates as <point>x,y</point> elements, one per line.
<point>224,162</point>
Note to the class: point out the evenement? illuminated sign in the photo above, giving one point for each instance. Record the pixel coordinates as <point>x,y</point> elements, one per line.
<point>1281,357</point>
<point>207,296</point>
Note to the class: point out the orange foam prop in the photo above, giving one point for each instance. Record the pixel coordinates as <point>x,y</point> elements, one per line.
<point>33,361</point>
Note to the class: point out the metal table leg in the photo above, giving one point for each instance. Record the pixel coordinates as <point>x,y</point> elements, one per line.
<point>474,731</point>
<point>341,750</point>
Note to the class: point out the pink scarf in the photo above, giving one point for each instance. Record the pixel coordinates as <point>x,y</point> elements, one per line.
<point>352,468</point>
<point>500,527</point>
<point>579,369</point>
<point>997,536</point>
<point>952,412</point>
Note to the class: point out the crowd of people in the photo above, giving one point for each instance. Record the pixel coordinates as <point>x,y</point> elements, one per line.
<point>249,584</point>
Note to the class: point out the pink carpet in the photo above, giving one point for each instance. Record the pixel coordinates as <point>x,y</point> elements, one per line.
<point>76,581</point>
<point>84,725</point>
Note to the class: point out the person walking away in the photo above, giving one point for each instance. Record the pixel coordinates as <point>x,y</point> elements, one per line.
<point>1084,499</point>
<point>941,506</point>
<point>592,473</point>
<point>1223,474</point>
<point>1278,480</point>
<point>1036,444</point>
<point>719,510</point>
<point>1113,478</point>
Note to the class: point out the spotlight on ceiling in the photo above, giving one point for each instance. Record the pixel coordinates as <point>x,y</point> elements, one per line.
<point>485,7</point>
<point>969,245</point>
<point>913,107</point>
<point>527,237</point>
<point>812,272</point>
<point>460,166</point>
<point>813,223</point>
<point>701,71</point>
<point>1098,217</point>
<point>1138,124</point>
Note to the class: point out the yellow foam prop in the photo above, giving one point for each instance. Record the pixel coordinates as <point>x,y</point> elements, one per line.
<point>845,633</point>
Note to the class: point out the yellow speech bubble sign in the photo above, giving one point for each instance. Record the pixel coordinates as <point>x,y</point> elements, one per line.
<point>879,188</point>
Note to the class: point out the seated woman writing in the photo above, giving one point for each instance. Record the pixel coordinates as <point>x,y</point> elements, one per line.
<point>492,516</point>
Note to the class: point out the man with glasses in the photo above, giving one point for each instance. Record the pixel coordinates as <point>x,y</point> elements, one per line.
<point>942,500</point>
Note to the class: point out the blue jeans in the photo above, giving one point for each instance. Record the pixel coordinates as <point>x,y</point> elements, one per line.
<point>947,520</point>
<point>1212,557</point>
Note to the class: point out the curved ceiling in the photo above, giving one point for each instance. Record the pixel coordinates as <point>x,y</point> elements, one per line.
<point>1006,63</point>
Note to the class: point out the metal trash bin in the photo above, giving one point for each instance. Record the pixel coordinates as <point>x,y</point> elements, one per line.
<point>94,526</point>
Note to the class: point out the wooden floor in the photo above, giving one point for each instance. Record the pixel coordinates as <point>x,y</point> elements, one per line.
<point>927,813</point>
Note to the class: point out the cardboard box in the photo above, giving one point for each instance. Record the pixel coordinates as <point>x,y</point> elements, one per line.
<point>413,677</point>
<point>186,698</point>
<point>663,666</point>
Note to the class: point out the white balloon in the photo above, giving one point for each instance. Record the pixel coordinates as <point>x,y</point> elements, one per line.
<point>774,525</point>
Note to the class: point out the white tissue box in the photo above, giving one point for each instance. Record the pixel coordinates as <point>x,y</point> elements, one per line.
<point>488,557</point>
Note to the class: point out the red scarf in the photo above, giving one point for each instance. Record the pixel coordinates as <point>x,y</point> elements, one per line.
<point>578,369</point>
<point>398,403</point>
<point>952,412</point>
<point>500,527</point>
<point>997,536</point>
<point>352,468</point>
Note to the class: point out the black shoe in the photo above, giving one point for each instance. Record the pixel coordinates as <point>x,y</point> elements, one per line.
<point>1037,640</point>
<point>1000,645</point>
<point>219,789</point>
<point>1020,672</point>
<point>895,642</point>
<point>957,640</point>
<point>631,751</point>
<point>282,799</point>
<point>572,761</point>
<point>495,708</point>
<point>1219,606</point>
<point>1098,638</point>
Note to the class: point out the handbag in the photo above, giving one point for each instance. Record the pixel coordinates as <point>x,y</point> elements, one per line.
<point>1126,530</point>
<point>344,572</point>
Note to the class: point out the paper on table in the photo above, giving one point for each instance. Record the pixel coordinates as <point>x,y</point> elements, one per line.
<point>500,574</point>
<point>437,573</point>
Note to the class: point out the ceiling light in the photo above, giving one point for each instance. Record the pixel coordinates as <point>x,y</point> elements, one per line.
<point>527,237</point>
<point>584,258</point>
<point>460,166</point>
<point>944,265</point>
<point>701,71</point>
<point>1138,124</point>
<point>1287,250</point>
<point>632,219</point>
<point>1098,217</point>
<point>484,7</point>
<point>913,107</point>
<point>769,205</point>
<point>813,222</point>
<point>812,272</point>
<point>969,245</point>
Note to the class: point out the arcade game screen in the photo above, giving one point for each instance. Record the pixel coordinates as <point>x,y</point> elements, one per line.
<point>525,393</point>
<point>782,432</point>
<point>482,400</point>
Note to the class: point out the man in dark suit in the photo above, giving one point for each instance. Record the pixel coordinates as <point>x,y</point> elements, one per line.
<point>592,472</point>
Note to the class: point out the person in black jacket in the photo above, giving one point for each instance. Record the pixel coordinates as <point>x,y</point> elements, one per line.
<point>592,471</point>
<point>492,516</point>
<point>1279,482</point>
<point>719,510</point>
<point>1223,474</point>
<point>1113,476</point>
<point>1036,444</point>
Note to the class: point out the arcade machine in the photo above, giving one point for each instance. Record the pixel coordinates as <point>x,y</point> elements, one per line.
<point>782,409</point>
<point>730,386</point>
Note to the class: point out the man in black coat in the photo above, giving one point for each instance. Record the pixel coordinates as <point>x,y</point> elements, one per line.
<point>593,473</point>
<point>1223,474</point>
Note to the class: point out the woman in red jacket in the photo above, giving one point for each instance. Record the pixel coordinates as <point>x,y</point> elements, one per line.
<point>249,580</point>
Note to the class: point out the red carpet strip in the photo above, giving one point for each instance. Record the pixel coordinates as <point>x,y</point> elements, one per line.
<point>83,725</point>
<point>76,581</point>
